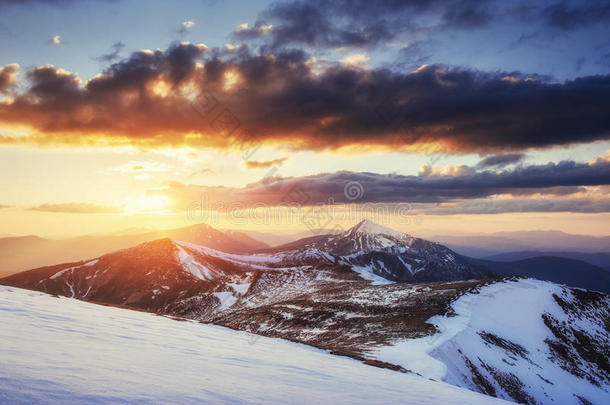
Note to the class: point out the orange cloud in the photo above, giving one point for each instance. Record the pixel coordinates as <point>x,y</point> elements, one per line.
<point>189,95</point>
<point>264,164</point>
<point>77,208</point>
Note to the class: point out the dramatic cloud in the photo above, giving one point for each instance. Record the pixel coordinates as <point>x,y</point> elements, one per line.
<point>359,23</point>
<point>188,95</point>
<point>253,164</point>
<point>8,77</point>
<point>358,188</point>
<point>133,101</point>
<point>501,160</point>
<point>77,208</point>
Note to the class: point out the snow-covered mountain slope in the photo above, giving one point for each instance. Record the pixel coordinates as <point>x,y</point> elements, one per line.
<point>382,255</point>
<point>373,252</point>
<point>148,276</point>
<point>349,316</point>
<point>62,351</point>
<point>529,341</point>
<point>165,272</point>
<point>324,304</point>
<point>23,253</point>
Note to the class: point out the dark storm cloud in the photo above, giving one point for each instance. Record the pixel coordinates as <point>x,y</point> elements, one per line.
<point>394,188</point>
<point>501,160</point>
<point>120,103</point>
<point>398,188</point>
<point>361,23</point>
<point>459,109</point>
<point>281,98</point>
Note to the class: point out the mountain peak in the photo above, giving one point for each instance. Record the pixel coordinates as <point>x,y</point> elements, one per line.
<point>371,228</point>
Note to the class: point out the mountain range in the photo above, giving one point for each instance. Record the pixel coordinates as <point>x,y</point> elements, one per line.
<point>20,253</point>
<point>597,259</point>
<point>370,293</point>
<point>485,245</point>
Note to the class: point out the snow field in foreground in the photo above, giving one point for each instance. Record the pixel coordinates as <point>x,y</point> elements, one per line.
<point>60,350</point>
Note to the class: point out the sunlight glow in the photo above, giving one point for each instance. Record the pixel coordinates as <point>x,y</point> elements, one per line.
<point>161,88</point>
<point>231,79</point>
<point>147,205</point>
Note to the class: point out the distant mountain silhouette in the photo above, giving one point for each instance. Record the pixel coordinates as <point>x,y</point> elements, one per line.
<point>489,244</point>
<point>571,272</point>
<point>597,259</point>
<point>27,252</point>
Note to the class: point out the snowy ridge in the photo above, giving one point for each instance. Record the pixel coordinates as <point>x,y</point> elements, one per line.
<point>250,259</point>
<point>152,359</point>
<point>498,343</point>
<point>376,252</point>
<point>371,228</point>
<point>197,269</point>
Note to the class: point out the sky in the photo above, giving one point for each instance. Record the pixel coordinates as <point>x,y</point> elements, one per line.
<point>428,116</point>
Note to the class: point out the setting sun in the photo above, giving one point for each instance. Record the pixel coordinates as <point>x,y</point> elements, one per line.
<point>146,205</point>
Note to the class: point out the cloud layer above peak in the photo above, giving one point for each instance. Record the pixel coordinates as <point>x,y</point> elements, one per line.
<point>191,95</point>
